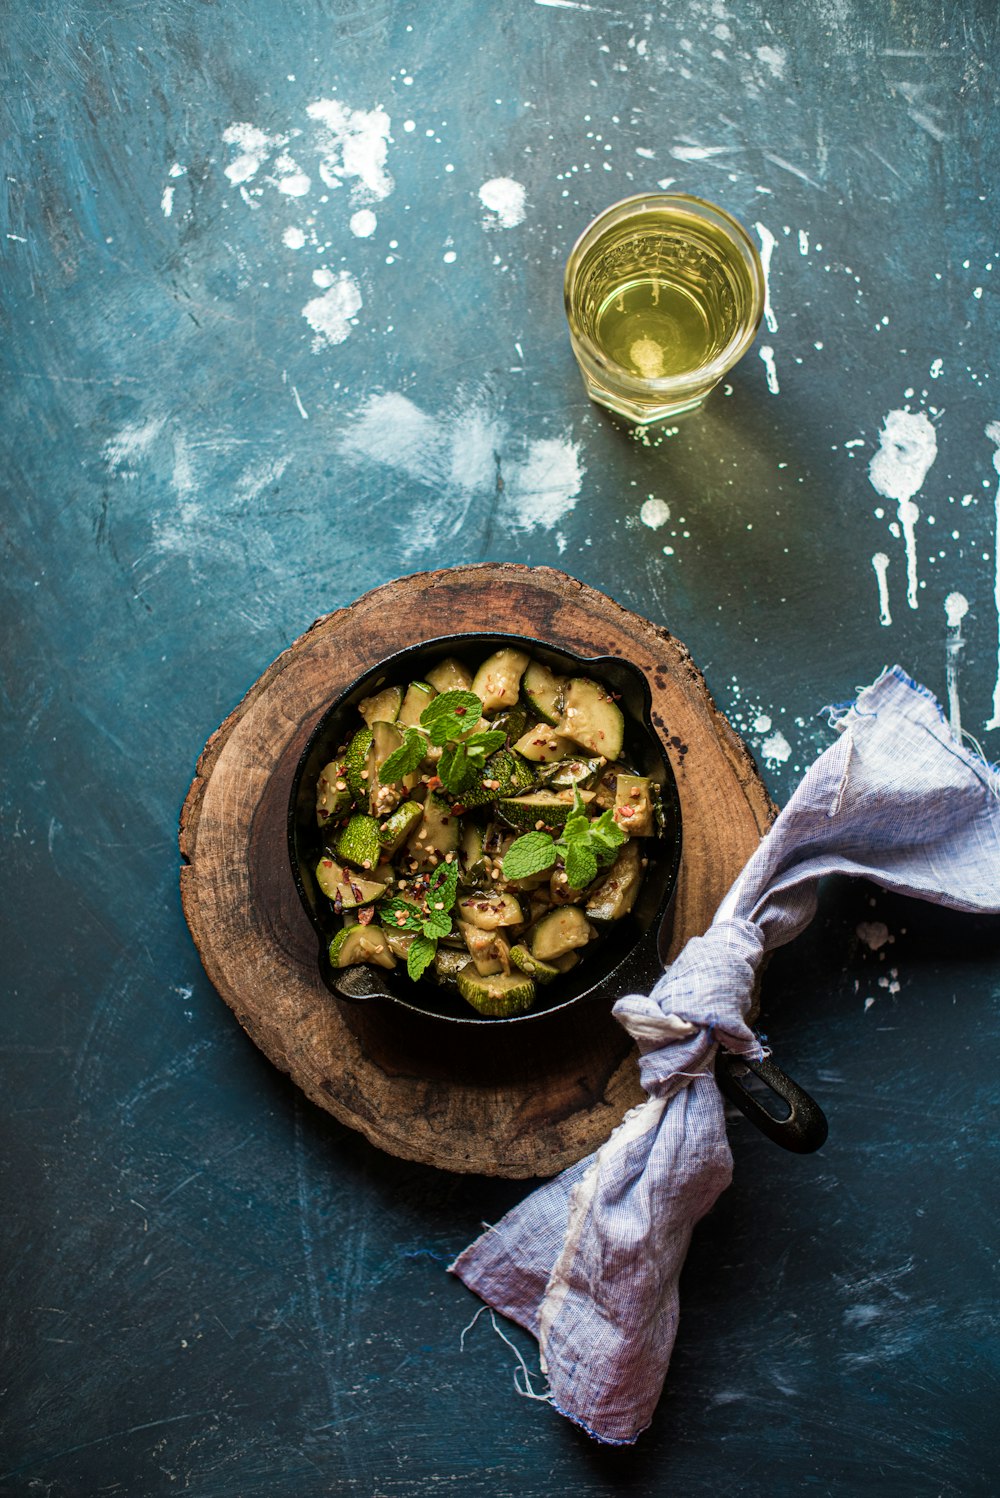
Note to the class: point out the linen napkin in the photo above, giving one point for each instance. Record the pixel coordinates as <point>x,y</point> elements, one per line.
<point>590,1262</point>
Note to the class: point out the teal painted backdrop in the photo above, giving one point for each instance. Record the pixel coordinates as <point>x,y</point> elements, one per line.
<point>282,320</point>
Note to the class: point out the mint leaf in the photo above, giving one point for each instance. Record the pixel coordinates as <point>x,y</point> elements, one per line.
<point>438,923</point>
<point>528,855</point>
<point>420,956</point>
<point>443,886</point>
<point>450,715</point>
<point>405,759</point>
<point>581,865</point>
<point>455,770</point>
<point>390,910</point>
<point>478,745</point>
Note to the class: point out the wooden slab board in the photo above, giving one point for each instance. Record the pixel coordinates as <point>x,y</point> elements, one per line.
<point>259,949</point>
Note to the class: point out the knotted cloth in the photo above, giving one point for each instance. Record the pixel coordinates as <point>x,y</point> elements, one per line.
<point>590,1262</point>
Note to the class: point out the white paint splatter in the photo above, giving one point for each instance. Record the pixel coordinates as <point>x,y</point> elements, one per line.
<point>803,242</point>
<point>761,723</point>
<point>956,606</point>
<point>544,487</point>
<point>177,170</point>
<point>776,748</point>
<point>767,354</point>
<point>354,145</point>
<point>330,315</point>
<point>654,513</point>
<point>773,58</point>
<point>767,243</point>
<point>290,178</point>
<point>880,562</point>
<point>993,434</point>
<point>167,202</point>
<point>874,934</point>
<point>937,368</point>
<point>699,153</point>
<point>293,238</point>
<point>907,448</point>
<point>254,147</point>
<point>363,223</point>
<point>323,277</point>
<point>505,199</point>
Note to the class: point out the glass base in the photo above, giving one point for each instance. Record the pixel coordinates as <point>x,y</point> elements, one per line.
<point>640,412</point>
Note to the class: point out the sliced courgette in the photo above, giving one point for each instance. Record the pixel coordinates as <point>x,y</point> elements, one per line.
<point>499,995</point>
<point>566,773</point>
<point>346,888</point>
<point>356,771</point>
<point>397,827</point>
<point>489,950</point>
<point>543,745</point>
<point>542,972</point>
<point>418,695</point>
<point>498,680</point>
<point>448,964</point>
<point>333,795</point>
<point>559,932</point>
<point>591,719</point>
<point>550,808</point>
<point>615,896</point>
<point>383,707</point>
<point>361,944</point>
<point>489,910</point>
<point>633,811</point>
<point>358,843</point>
<point>449,675</point>
<point>543,691</point>
<point>436,835</point>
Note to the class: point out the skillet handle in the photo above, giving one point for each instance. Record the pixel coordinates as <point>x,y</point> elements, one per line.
<point>803,1130</point>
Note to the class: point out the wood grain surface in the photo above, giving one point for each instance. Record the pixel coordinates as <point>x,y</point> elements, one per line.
<point>260,950</point>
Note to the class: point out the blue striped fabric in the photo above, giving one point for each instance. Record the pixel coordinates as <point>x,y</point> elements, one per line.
<point>590,1262</point>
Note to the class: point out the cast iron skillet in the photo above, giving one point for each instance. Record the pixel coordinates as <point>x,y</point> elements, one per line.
<point>430,1024</point>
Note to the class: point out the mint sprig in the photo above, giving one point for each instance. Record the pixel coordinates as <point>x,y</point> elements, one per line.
<point>585,846</point>
<point>404,760</point>
<point>427,921</point>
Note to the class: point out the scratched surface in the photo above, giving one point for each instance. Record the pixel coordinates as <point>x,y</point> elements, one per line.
<point>282,320</point>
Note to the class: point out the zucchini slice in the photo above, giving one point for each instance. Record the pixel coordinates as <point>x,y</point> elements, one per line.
<point>615,896</point>
<point>397,827</point>
<point>489,910</point>
<point>361,944</point>
<point>383,707</point>
<point>418,695</point>
<point>591,719</point>
<point>346,888</point>
<point>560,932</point>
<point>543,745</point>
<point>355,765</point>
<point>488,949</point>
<point>551,808</point>
<point>448,964</point>
<point>358,843</point>
<point>498,680</point>
<point>498,995</point>
<point>542,972</point>
<point>333,796</point>
<point>449,675</point>
<point>633,811</point>
<point>435,835</point>
<point>543,692</point>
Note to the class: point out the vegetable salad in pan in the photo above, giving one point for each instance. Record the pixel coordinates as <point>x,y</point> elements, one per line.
<point>483,828</point>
